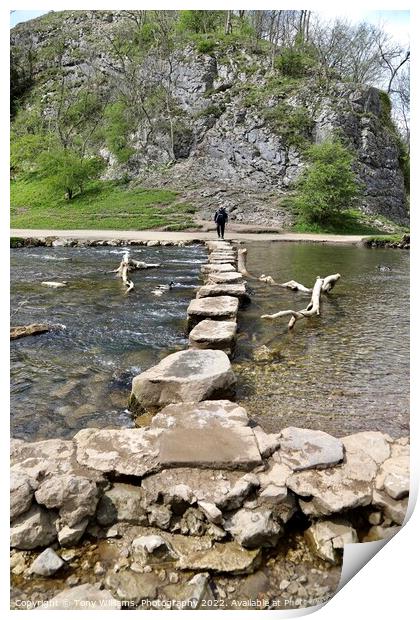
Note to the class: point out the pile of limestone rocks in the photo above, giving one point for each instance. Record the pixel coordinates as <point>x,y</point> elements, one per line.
<point>201,470</point>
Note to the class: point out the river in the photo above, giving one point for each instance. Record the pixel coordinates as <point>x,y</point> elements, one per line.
<point>344,371</point>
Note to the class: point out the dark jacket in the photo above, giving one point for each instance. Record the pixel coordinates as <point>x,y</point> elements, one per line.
<point>220,217</point>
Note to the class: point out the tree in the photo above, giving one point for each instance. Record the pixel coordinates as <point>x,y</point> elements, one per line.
<point>66,171</point>
<point>200,22</point>
<point>328,185</point>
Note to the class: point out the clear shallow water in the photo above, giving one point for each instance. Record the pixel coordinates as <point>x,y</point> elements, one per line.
<point>345,371</point>
<point>81,376</point>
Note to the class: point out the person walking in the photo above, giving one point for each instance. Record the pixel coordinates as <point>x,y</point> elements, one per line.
<point>221,217</point>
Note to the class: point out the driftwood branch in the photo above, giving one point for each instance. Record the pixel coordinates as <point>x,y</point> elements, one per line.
<point>129,264</point>
<point>31,330</point>
<point>242,255</point>
<point>122,272</point>
<point>322,285</point>
<point>329,282</point>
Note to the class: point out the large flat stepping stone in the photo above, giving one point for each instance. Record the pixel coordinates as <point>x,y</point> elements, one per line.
<point>210,334</point>
<point>223,253</point>
<point>222,308</point>
<point>207,435</point>
<point>216,245</point>
<point>209,447</point>
<point>217,290</point>
<point>221,259</point>
<point>129,452</point>
<point>186,376</point>
<point>217,268</point>
<point>230,277</point>
<point>302,448</point>
<point>198,415</point>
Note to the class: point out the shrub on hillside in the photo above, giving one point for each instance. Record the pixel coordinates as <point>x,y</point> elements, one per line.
<point>293,62</point>
<point>329,183</point>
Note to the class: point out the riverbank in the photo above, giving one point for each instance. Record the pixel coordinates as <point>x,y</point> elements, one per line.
<point>158,235</point>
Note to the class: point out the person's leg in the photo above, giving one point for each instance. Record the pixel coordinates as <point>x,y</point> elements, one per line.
<point>222,229</point>
<point>218,229</point>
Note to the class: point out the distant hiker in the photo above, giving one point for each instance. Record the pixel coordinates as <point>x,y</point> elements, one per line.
<point>221,217</point>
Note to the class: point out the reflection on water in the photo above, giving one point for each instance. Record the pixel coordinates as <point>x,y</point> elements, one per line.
<point>66,380</point>
<point>345,371</point>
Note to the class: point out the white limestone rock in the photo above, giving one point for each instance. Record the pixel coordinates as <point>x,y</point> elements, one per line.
<point>301,449</point>
<point>47,563</point>
<point>191,375</point>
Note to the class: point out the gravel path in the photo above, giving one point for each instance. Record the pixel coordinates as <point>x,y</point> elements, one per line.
<point>151,235</point>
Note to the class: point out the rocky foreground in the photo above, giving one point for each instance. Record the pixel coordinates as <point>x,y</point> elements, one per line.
<point>199,493</point>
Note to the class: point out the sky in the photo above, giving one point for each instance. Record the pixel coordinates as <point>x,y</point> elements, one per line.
<point>394,22</point>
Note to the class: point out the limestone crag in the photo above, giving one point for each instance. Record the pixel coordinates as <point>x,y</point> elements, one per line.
<point>224,149</point>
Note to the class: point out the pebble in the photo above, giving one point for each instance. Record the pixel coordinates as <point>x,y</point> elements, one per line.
<point>69,554</point>
<point>72,580</point>
<point>293,588</point>
<point>147,569</point>
<point>231,589</point>
<point>284,584</point>
<point>221,592</point>
<point>173,578</point>
<point>99,569</point>
<point>136,567</point>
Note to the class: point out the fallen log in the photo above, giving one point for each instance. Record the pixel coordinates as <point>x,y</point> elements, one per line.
<point>20,331</point>
<point>328,285</point>
<point>122,272</point>
<point>129,264</point>
<point>322,285</point>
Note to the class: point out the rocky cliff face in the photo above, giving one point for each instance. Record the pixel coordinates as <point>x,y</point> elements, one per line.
<point>226,136</point>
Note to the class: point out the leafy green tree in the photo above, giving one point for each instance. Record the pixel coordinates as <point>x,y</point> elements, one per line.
<point>117,131</point>
<point>66,171</point>
<point>328,185</point>
<point>200,22</point>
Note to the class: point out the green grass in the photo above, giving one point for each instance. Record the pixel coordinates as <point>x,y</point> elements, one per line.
<point>107,205</point>
<point>351,222</point>
<point>396,238</point>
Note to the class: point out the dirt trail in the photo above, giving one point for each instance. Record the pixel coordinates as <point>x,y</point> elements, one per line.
<point>152,235</point>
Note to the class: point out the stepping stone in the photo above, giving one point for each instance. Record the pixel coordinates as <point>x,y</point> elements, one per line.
<point>186,376</point>
<point>210,334</point>
<point>128,452</point>
<point>223,308</point>
<point>222,258</point>
<point>217,268</point>
<point>202,435</point>
<point>217,290</point>
<point>217,245</point>
<point>230,277</point>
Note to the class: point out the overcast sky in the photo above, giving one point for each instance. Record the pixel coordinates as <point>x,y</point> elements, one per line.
<point>394,22</point>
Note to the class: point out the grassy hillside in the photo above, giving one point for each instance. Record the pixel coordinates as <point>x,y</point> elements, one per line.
<point>107,205</point>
